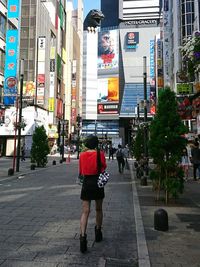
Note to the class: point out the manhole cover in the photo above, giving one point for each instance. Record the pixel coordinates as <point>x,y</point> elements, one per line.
<point>120,263</point>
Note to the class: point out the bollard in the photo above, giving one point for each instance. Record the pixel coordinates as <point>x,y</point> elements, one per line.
<point>143,180</point>
<point>54,162</point>
<point>161,220</point>
<point>10,171</point>
<point>32,166</point>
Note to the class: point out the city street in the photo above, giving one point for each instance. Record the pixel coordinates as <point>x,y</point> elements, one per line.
<point>40,214</point>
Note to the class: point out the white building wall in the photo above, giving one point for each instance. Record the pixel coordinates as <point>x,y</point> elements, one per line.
<point>90,76</point>
<point>133,59</point>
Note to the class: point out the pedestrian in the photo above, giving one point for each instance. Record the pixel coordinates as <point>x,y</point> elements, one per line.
<point>23,152</point>
<point>185,161</point>
<point>90,169</point>
<point>195,159</point>
<point>120,159</point>
<point>111,152</point>
<point>126,155</point>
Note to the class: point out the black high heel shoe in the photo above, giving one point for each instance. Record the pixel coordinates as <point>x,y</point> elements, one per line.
<point>98,234</point>
<point>83,243</point>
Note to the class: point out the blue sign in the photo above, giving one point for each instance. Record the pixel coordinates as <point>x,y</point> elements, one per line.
<point>13,9</point>
<point>10,74</point>
<point>152,73</point>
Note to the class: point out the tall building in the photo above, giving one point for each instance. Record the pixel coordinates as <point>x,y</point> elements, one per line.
<point>138,25</point>
<point>180,22</point>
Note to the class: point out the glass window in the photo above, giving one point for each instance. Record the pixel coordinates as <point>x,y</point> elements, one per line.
<point>189,29</point>
<point>183,20</point>
<point>188,19</point>
<point>188,7</point>
<point>25,11</point>
<point>2,61</point>
<point>2,26</point>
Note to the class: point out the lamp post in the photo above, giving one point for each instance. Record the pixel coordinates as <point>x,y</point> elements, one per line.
<point>78,120</point>
<point>20,113</point>
<point>145,108</point>
<point>63,130</point>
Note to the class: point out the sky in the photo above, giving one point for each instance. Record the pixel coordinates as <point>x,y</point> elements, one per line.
<point>88,5</point>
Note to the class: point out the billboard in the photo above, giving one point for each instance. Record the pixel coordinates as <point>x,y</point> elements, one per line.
<point>108,95</point>
<point>108,52</point>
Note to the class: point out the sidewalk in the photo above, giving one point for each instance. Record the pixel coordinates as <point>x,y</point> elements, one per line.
<point>179,246</point>
<point>24,167</point>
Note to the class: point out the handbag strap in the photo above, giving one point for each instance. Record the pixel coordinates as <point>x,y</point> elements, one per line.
<point>98,161</point>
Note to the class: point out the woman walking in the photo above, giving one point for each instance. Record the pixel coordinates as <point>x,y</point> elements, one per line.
<point>92,161</point>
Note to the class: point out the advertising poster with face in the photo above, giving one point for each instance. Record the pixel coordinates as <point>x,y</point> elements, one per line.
<point>108,52</point>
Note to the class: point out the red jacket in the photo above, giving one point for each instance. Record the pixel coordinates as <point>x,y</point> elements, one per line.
<point>88,162</point>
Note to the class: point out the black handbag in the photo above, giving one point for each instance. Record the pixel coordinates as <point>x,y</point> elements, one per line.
<point>103,176</point>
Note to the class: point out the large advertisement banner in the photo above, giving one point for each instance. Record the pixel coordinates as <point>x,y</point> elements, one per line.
<point>108,52</point>
<point>10,74</point>
<point>108,95</point>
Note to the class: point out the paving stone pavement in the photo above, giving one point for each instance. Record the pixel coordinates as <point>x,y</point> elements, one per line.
<point>179,246</point>
<point>39,222</point>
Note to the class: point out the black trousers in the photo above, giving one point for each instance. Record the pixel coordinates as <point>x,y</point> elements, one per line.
<point>121,164</point>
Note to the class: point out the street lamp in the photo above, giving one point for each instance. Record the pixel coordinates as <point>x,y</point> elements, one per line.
<point>78,120</point>
<point>145,108</point>
<point>20,113</point>
<point>63,130</point>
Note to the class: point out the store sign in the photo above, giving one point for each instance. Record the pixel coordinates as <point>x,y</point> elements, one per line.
<point>141,22</point>
<point>184,88</point>
<point>107,108</point>
<point>132,39</point>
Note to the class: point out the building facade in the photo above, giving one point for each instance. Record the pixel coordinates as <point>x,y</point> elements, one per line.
<point>42,44</point>
<point>138,25</point>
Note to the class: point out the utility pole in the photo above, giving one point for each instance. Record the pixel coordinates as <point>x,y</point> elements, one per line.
<point>19,124</point>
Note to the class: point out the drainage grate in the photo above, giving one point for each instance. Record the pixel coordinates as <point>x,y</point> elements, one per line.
<point>110,262</point>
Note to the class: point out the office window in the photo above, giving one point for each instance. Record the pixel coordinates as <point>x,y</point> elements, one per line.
<point>2,61</point>
<point>2,26</point>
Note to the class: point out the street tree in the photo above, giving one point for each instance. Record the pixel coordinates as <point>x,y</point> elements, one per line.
<point>166,145</point>
<point>40,148</point>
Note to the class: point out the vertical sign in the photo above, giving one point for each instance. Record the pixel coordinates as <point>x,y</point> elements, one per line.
<point>13,9</point>
<point>152,79</point>
<point>10,74</point>
<point>166,42</point>
<point>11,56</point>
<point>41,70</point>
